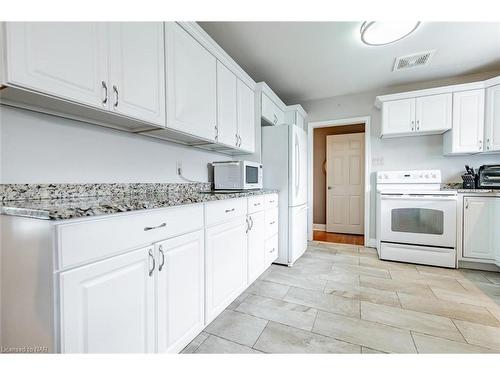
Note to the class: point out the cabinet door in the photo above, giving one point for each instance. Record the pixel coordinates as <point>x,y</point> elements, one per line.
<point>468,121</point>
<point>191,84</point>
<point>271,112</point>
<point>137,70</point>
<point>398,117</point>
<point>479,227</point>
<point>492,126</point>
<point>65,59</point>
<point>225,265</point>
<point>226,106</point>
<point>246,117</point>
<point>180,290</point>
<point>433,113</point>
<point>109,306</point>
<point>256,246</point>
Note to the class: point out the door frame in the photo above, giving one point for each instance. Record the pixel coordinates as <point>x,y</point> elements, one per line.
<point>310,142</point>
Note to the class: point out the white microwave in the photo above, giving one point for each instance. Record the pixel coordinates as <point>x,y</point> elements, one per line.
<point>237,175</point>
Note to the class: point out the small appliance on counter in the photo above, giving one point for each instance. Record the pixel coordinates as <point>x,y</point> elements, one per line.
<point>488,177</point>
<point>469,178</point>
<point>237,175</point>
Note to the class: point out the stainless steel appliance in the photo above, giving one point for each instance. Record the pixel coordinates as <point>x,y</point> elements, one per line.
<point>489,177</point>
<point>237,175</point>
<point>416,221</point>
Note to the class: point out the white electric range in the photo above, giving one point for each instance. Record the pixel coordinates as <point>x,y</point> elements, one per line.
<point>416,220</point>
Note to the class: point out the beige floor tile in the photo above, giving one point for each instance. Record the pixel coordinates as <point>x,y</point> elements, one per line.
<point>291,314</point>
<point>473,275</point>
<point>279,338</point>
<point>362,293</point>
<point>292,278</point>
<point>471,298</point>
<point>440,271</point>
<point>365,350</point>
<point>412,287</point>
<point>341,277</point>
<point>411,320</point>
<point>367,250</point>
<point>480,335</point>
<point>361,332</point>
<point>268,289</point>
<point>345,258</point>
<point>218,345</point>
<point>195,344</point>
<point>234,326</point>
<point>322,301</point>
<point>429,279</point>
<point>448,309</point>
<point>237,301</point>
<point>432,345</point>
<point>375,262</point>
<point>493,277</point>
<point>362,270</point>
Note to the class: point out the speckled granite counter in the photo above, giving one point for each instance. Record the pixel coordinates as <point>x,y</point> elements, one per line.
<point>68,201</point>
<point>457,186</point>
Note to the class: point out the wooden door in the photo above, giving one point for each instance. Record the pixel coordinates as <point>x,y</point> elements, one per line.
<point>345,157</point>
<point>137,70</point>
<point>109,306</point>
<point>180,290</point>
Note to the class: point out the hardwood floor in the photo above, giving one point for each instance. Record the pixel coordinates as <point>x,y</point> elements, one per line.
<point>351,239</point>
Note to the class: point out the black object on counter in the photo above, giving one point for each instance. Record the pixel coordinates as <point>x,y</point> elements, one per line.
<point>489,177</point>
<point>469,178</point>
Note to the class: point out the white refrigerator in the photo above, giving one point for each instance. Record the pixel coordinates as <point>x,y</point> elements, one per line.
<point>284,160</point>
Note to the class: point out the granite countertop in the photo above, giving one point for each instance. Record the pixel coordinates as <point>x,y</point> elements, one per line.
<point>69,206</point>
<point>457,186</point>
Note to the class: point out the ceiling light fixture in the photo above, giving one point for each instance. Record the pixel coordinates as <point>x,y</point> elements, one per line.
<point>375,33</point>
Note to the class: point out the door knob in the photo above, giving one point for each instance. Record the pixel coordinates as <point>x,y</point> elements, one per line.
<point>329,188</point>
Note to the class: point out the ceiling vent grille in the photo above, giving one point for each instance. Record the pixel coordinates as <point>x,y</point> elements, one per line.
<point>412,61</point>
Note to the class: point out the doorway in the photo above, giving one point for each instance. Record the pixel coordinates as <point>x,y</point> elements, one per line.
<point>339,183</point>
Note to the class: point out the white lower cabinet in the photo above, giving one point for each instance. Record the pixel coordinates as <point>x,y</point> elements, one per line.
<point>180,290</point>
<point>256,245</point>
<point>480,228</point>
<point>109,306</point>
<point>225,265</point>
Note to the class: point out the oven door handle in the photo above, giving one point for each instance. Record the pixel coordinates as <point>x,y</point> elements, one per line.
<point>418,198</point>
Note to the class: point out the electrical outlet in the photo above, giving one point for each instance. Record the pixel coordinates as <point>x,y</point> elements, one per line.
<point>377,161</point>
<point>178,167</point>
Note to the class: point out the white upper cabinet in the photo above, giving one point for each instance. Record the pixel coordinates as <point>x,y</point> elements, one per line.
<point>398,117</point>
<point>137,70</point>
<point>466,136</point>
<point>68,60</point>
<point>433,113</point>
<point>271,112</point>
<point>492,125</point>
<point>180,290</point>
<point>227,118</point>
<point>191,84</point>
<point>246,117</point>
<point>109,306</point>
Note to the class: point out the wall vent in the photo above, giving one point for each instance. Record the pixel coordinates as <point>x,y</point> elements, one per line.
<point>412,61</point>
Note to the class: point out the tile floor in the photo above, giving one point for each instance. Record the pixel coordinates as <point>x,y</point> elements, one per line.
<point>343,299</point>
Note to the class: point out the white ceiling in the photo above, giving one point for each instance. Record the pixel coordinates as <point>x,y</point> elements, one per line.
<point>311,60</point>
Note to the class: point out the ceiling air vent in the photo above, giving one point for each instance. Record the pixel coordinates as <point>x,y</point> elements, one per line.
<point>412,61</point>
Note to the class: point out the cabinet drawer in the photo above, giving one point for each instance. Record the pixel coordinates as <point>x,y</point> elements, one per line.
<point>255,204</point>
<point>271,249</point>
<point>90,240</point>
<point>216,212</point>
<point>271,218</point>
<point>271,201</point>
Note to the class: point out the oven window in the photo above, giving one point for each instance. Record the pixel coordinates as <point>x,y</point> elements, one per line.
<point>252,175</point>
<point>417,220</point>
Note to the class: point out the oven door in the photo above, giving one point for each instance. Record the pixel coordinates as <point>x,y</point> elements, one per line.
<point>419,219</point>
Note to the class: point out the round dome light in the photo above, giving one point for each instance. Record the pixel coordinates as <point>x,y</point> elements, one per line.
<point>376,33</point>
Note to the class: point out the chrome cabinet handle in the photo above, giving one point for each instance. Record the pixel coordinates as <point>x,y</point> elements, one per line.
<point>272,222</point>
<point>216,133</point>
<point>251,222</point>
<point>256,204</point>
<point>248,225</point>
<point>412,125</point>
<point>115,90</point>
<point>466,204</point>
<point>154,262</point>
<point>271,201</point>
<point>239,141</point>
<point>158,226</point>
<point>236,137</point>
<point>480,144</point>
<point>160,249</point>
<point>273,250</point>
<point>105,87</point>
<point>488,144</point>
<point>275,119</point>
<point>418,124</point>
<point>228,211</point>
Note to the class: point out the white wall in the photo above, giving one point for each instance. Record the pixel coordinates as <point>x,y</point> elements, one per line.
<point>38,148</point>
<point>420,152</point>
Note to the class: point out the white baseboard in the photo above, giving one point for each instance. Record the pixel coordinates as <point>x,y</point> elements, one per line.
<point>372,242</point>
<point>319,227</point>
